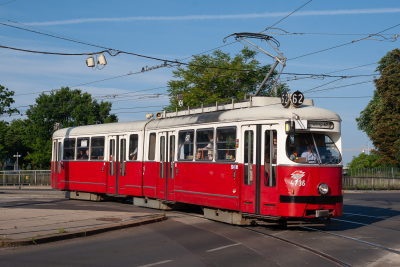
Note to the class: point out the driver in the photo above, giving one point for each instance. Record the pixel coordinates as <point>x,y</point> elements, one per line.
<point>309,154</point>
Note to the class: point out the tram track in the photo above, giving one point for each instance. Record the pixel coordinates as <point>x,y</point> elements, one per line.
<point>370,216</point>
<point>353,239</point>
<point>364,224</point>
<point>316,252</point>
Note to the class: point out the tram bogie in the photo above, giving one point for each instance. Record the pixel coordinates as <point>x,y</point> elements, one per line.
<point>241,161</point>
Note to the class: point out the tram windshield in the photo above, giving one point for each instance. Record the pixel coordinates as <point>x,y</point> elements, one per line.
<point>312,148</point>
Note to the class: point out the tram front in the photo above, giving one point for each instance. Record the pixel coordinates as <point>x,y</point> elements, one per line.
<point>310,172</point>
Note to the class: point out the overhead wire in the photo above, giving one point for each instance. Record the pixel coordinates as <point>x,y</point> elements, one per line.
<point>337,46</point>
<point>287,15</point>
<point>331,88</point>
<point>7,2</point>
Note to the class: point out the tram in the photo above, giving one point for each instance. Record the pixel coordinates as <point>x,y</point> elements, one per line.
<point>256,159</point>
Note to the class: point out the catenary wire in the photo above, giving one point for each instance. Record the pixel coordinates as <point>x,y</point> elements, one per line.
<point>7,2</point>
<point>287,16</point>
<point>337,87</point>
<point>337,46</point>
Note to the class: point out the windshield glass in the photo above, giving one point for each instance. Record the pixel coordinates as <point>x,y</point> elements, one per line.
<point>312,148</point>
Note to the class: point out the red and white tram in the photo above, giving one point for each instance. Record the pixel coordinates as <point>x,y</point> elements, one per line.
<point>238,161</point>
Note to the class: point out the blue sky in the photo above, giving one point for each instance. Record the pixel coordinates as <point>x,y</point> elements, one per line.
<point>178,29</point>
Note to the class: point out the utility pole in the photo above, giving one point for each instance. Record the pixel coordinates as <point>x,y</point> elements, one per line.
<point>16,156</point>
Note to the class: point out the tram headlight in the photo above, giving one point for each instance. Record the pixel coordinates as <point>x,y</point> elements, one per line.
<point>323,189</point>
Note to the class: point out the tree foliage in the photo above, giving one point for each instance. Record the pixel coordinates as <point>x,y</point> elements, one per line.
<point>32,137</point>
<point>363,160</point>
<point>200,85</point>
<point>6,100</point>
<point>381,118</point>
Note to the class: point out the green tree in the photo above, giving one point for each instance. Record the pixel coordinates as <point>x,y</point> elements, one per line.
<point>381,118</point>
<point>6,100</point>
<point>68,107</point>
<point>373,160</point>
<point>220,81</point>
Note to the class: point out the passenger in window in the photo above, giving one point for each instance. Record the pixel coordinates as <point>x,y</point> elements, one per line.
<point>133,155</point>
<point>80,155</point>
<point>86,156</point>
<point>310,154</point>
<point>209,148</point>
<point>181,148</point>
<point>268,150</point>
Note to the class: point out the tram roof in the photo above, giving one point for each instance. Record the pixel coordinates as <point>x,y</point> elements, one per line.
<point>101,128</point>
<point>269,112</point>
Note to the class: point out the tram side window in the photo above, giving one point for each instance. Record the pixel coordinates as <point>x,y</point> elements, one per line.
<point>205,144</point>
<point>152,146</point>
<point>83,148</point>
<point>69,149</point>
<point>270,158</point>
<point>133,147</point>
<point>226,143</point>
<point>185,147</point>
<point>248,157</point>
<point>97,148</point>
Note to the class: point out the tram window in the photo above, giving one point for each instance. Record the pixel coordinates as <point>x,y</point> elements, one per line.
<point>133,147</point>
<point>122,157</point>
<point>171,156</point>
<point>83,148</point>
<point>226,143</point>
<point>97,148</point>
<point>312,148</point>
<point>69,149</point>
<point>185,147</point>
<point>248,157</point>
<point>162,156</point>
<point>205,144</point>
<point>271,150</point>
<point>152,146</point>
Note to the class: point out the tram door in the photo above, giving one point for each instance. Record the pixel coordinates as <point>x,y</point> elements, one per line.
<point>269,181</point>
<point>259,194</point>
<point>57,163</point>
<point>248,192</point>
<point>166,166</point>
<point>112,177</point>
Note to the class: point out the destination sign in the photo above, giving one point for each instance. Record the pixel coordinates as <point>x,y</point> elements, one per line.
<point>320,124</point>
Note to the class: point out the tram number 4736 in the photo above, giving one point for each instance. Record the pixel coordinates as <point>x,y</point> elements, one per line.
<point>298,182</point>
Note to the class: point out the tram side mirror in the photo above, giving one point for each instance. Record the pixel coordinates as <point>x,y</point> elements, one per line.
<point>290,128</point>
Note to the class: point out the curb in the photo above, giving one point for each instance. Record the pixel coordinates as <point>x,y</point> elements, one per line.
<point>81,233</point>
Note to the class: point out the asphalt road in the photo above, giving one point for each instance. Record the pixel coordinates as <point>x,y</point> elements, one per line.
<point>186,239</point>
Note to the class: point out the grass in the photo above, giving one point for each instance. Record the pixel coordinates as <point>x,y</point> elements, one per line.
<point>61,230</point>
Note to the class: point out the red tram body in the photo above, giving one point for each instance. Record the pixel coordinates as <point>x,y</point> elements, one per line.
<point>236,160</point>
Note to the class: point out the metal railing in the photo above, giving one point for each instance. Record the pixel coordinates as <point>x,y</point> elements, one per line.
<point>371,179</point>
<point>25,177</point>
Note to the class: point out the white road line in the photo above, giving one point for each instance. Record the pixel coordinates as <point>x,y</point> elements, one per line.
<point>211,250</point>
<point>153,264</point>
<point>377,217</point>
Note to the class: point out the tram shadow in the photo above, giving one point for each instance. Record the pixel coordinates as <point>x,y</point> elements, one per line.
<point>355,216</point>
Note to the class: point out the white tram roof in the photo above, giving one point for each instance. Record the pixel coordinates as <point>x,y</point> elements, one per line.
<point>269,112</point>
<point>108,128</point>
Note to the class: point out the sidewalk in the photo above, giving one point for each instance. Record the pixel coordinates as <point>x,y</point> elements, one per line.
<point>26,226</point>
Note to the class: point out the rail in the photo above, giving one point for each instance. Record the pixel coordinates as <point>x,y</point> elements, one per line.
<point>25,177</point>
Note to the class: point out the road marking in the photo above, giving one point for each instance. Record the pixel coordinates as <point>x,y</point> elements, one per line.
<point>211,250</point>
<point>157,263</point>
<point>377,217</point>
